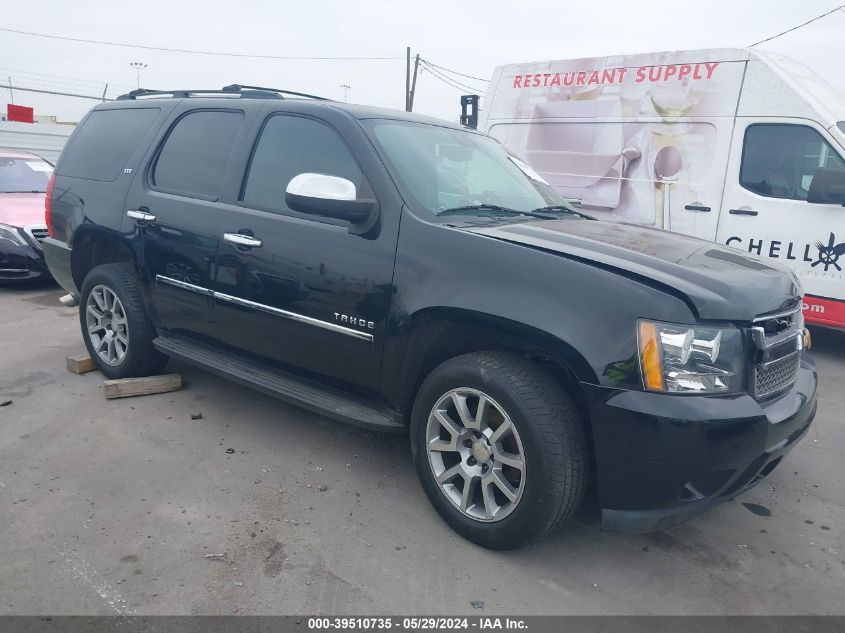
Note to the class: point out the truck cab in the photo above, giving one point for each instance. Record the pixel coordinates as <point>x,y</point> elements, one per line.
<point>738,146</point>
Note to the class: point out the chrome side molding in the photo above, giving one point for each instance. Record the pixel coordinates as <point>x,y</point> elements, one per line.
<point>246,303</point>
<point>333,327</point>
<point>184,285</point>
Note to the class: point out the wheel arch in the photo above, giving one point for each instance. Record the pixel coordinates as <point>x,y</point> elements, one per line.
<point>435,335</point>
<point>93,246</point>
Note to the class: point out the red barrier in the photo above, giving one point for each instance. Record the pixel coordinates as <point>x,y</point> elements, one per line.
<point>20,113</point>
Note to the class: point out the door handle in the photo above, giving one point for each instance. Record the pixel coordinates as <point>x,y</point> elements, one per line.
<point>244,241</point>
<point>743,212</point>
<point>141,215</point>
<point>697,207</point>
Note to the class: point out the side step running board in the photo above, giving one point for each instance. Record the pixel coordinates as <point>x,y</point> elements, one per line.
<point>299,391</point>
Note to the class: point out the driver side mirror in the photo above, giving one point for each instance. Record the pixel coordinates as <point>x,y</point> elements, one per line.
<point>827,187</point>
<point>327,196</point>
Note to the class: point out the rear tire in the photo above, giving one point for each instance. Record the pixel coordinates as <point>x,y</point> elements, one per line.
<point>542,462</point>
<point>115,326</point>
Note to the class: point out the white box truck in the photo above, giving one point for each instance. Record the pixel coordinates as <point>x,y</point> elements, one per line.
<point>733,145</point>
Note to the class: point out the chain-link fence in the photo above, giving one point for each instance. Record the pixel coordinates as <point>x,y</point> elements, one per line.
<point>57,105</point>
<point>54,99</point>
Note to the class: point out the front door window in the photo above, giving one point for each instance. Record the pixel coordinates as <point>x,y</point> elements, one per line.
<point>782,160</point>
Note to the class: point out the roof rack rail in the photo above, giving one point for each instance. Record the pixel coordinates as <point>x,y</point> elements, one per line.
<point>145,92</point>
<point>234,89</point>
<point>239,88</point>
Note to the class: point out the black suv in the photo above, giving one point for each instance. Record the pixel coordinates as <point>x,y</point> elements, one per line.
<point>409,275</point>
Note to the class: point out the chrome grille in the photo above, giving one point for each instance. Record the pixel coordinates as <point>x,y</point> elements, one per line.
<point>779,340</point>
<point>776,375</point>
<point>36,232</point>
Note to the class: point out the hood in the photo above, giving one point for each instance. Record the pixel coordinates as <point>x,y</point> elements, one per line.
<point>717,282</point>
<point>20,209</point>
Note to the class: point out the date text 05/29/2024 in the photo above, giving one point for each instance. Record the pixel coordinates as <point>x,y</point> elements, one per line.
<point>416,623</point>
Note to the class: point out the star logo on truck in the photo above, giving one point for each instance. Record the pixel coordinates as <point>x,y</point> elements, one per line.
<point>829,254</point>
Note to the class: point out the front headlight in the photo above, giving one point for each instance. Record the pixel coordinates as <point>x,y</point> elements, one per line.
<point>684,359</point>
<point>11,234</point>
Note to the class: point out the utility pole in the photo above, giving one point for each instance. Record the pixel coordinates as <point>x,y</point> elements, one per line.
<point>346,88</point>
<point>408,79</point>
<point>413,84</point>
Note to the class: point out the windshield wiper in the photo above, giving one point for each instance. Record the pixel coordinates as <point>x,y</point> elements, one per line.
<point>560,208</point>
<point>28,191</point>
<point>492,208</point>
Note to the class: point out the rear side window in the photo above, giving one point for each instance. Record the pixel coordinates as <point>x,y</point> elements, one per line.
<point>780,160</point>
<point>102,145</point>
<point>193,160</point>
<point>293,145</point>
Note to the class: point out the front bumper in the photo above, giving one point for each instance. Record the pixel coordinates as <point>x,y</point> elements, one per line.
<point>19,263</point>
<point>661,459</point>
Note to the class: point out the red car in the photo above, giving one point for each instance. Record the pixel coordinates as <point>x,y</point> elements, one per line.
<point>23,183</point>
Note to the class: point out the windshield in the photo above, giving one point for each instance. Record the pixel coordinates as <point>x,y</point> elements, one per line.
<point>24,175</point>
<point>446,169</point>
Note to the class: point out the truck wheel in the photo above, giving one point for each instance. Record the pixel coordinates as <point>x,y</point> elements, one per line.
<point>117,331</point>
<point>499,447</point>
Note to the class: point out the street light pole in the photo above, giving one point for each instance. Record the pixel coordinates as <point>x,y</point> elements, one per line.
<point>346,89</point>
<point>138,66</point>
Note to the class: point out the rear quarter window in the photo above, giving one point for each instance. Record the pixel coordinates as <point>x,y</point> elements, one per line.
<point>105,141</point>
<point>193,159</point>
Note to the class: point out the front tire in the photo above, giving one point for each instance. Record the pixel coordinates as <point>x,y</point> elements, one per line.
<point>500,448</point>
<point>117,331</point>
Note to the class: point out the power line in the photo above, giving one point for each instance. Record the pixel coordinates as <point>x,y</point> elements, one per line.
<point>452,79</point>
<point>795,28</point>
<point>192,52</point>
<point>448,82</point>
<point>452,82</point>
<point>455,72</point>
<point>437,73</point>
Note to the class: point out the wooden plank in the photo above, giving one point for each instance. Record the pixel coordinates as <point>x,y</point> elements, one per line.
<point>125,387</point>
<point>80,364</point>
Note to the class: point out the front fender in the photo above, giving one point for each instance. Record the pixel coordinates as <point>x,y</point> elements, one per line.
<point>586,314</point>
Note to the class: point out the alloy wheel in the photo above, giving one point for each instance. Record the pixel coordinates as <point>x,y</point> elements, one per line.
<point>476,455</point>
<point>108,329</point>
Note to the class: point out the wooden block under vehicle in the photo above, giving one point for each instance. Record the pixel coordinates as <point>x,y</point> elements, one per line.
<point>80,364</point>
<point>125,387</point>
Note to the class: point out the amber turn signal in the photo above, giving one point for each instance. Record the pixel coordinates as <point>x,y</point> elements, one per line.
<point>650,357</point>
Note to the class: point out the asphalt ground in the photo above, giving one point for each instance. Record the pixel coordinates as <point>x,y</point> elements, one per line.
<point>131,506</point>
